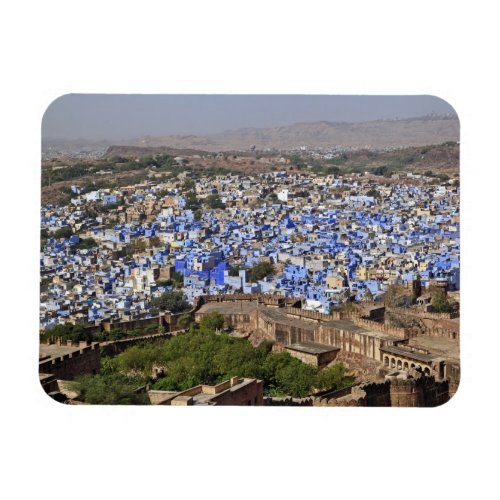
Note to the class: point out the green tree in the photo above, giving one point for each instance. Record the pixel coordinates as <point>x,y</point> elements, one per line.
<point>116,334</point>
<point>374,193</point>
<point>296,378</point>
<point>166,384</point>
<point>331,378</point>
<point>138,359</point>
<point>298,162</point>
<point>211,322</point>
<point>185,320</point>
<point>109,389</point>
<point>109,365</point>
<point>214,201</point>
<point>188,185</point>
<point>440,303</point>
<point>383,170</point>
<point>177,277</point>
<point>170,301</point>
<point>234,271</point>
<point>260,271</point>
<point>192,202</point>
<point>64,232</point>
<point>272,364</point>
<point>86,243</point>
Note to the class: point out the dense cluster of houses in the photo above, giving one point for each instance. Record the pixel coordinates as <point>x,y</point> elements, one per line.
<point>328,237</point>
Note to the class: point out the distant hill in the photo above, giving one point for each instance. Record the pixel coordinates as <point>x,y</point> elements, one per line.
<point>137,151</point>
<point>379,134</point>
<point>441,158</point>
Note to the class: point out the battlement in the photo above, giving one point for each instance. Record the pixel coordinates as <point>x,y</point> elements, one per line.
<point>65,360</point>
<point>349,332</point>
<point>235,391</point>
<point>318,316</point>
<point>256,297</point>
<point>60,342</point>
<point>51,360</point>
<point>398,389</point>
<point>381,327</point>
<point>413,311</point>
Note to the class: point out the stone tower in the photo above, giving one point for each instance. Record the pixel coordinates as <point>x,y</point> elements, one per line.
<point>417,287</point>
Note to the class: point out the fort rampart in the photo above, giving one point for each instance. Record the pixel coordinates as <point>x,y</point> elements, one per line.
<point>414,391</point>
<point>81,360</point>
<point>412,311</point>
<point>363,340</point>
<point>318,316</point>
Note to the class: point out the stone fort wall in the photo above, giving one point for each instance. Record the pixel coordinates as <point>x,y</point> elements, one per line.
<point>420,391</point>
<point>361,345</point>
<point>361,342</point>
<point>84,360</point>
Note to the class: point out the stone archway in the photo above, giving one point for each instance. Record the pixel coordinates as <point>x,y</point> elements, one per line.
<point>427,371</point>
<point>393,363</point>
<point>386,360</point>
<point>405,366</point>
<point>400,365</point>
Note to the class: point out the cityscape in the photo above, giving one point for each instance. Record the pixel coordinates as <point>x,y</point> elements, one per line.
<point>319,268</point>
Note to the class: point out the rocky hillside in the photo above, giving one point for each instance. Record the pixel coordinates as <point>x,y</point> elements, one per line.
<point>441,158</point>
<point>379,134</point>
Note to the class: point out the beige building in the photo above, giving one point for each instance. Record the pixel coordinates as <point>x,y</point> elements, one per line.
<point>236,391</point>
<point>313,353</point>
<point>335,281</point>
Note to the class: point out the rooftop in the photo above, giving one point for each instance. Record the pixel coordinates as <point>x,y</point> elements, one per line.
<point>418,356</point>
<point>237,307</point>
<point>312,347</point>
<point>200,394</point>
<point>445,347</point>
<point>55,351</point>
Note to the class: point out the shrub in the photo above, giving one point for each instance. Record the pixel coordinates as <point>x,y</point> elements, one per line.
<point>170,301</point>
<point>64,232</point>
<point>260,271</point>
<point>440,303</point>
<point>109,389</point>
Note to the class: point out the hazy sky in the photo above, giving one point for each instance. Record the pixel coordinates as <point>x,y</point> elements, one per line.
<point>120,116</point>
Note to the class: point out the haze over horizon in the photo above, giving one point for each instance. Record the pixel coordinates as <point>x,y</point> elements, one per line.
<point>119,117</point>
